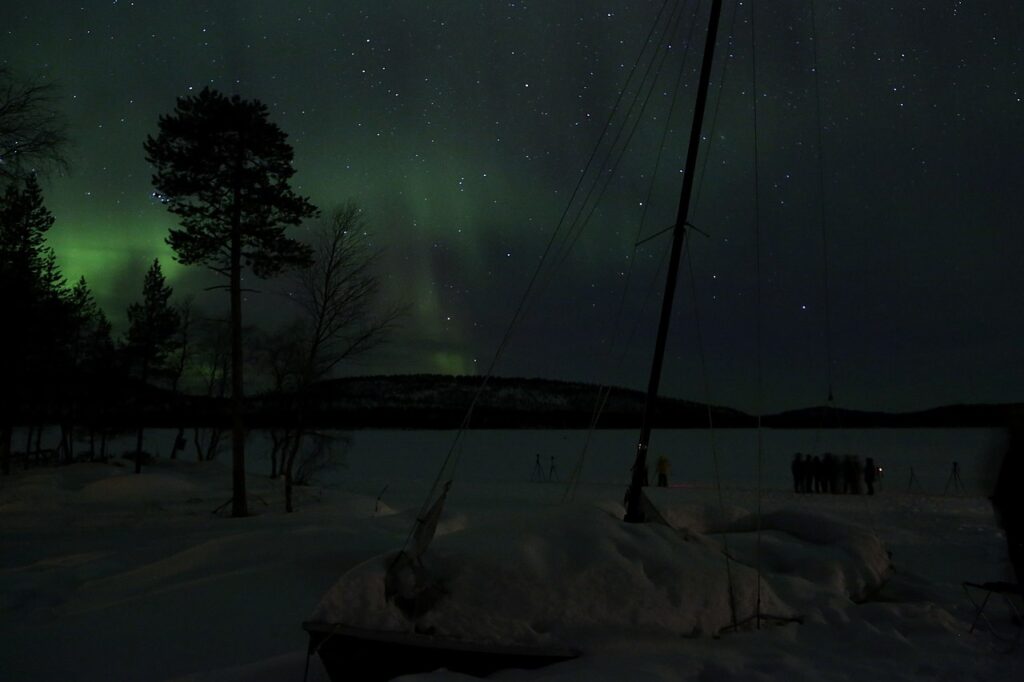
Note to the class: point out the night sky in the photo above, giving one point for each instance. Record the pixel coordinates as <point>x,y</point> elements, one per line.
<point>461,128</point>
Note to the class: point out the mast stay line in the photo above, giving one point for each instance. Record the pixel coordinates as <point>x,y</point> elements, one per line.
<point>634,507</point>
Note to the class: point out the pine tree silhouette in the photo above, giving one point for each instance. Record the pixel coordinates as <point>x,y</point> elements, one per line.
<point>223,168</point>
<point>152,324</point>
<point>34,305</point>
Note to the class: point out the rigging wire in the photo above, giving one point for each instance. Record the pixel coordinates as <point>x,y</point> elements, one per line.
<point>604,391</point>
<point>830,403</point>
<point>607,126</point>
<point>577,227</point>
<point>599,406</point>
<point>711,430</point>
<point>718,106</point>
<point>759,394</point>
<point>821,204</point>
<point>455,449</point>
<point>705,375</point>
<point>664,133</point>
<point>827,314</point>
<point>602,401</point>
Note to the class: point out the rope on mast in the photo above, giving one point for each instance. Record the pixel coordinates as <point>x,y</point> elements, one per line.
<point>706,380</point>
<point>830,404</point>
<point>576,228</point>
<point>604,391</point>
<point>711,431</point>
<point>821,205</point>
<point>454,451</point>
<point>757,313</point>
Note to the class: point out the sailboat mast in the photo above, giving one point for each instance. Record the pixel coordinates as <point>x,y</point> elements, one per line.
<point>634,510</point>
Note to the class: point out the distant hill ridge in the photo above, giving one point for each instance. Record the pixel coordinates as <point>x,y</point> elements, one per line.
<point>437,401</point>
<point>440,401</point>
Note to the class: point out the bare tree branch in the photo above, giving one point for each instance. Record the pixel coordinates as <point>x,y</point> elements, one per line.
<point>33,134</point>
<point>338,295</point>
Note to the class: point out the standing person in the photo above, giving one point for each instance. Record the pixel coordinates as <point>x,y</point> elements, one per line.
<point>797,467</point>
<point>849,475</point>
<point>870,473</point>
<point>664,466</point>
<point>552,476</point>
<point>832,472</point>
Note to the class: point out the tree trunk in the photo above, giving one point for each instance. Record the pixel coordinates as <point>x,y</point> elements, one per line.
<point>289,464</point>
<point>5,448</point>
<point>65,452</point>
<point>288,491</point>
<point>138,451</point>
<point>238,503</point>
<point>277,441</point>
<point>180,436</point>
<point>197,438</point>
<point>291,452</point>
<point>138,439</point>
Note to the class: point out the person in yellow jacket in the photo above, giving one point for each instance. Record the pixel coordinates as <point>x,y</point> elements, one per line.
<point>664,466</point>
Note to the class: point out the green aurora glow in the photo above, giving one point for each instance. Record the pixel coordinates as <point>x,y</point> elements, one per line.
<point>461,127</point>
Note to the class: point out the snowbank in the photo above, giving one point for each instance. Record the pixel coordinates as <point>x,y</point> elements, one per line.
<point>98,564</point>
<point>549,577</point>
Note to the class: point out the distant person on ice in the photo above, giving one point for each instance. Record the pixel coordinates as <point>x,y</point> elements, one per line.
<point>817,475</point>
<point>797,467</point>
<point>870,474</point>
<point>664,466</point>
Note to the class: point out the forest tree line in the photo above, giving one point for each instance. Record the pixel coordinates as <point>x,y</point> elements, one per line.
<point>223,169</point>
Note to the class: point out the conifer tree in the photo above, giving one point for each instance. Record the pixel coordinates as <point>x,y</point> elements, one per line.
<point>152,325</point>
<point>91,360</point>
<point>32,303</point>
<point>85,314</point>
<point>224,169</point>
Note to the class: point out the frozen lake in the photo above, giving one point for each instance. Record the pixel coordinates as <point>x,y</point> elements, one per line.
<point>410,459</point>
<point>509,455</point>
<point>377,458</point>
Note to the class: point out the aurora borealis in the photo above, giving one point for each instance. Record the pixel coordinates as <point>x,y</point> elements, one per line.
<point>461,126</point>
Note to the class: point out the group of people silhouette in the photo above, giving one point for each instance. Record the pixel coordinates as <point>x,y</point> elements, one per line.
<point>836,474</point>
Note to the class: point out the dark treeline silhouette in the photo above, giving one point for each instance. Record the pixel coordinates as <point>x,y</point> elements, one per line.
<point>46,335</point>
<point>224,170</point>
<point>152,329</point>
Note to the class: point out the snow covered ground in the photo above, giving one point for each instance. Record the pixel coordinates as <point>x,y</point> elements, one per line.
<point>110,576</point>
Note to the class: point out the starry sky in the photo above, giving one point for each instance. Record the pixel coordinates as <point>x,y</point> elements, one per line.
<point>462,127</point>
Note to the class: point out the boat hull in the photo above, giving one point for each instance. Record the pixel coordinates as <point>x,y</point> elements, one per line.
<point>352,653</point>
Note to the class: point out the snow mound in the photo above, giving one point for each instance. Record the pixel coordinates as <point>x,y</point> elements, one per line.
<point>131,488</point>
<point>550,577</point>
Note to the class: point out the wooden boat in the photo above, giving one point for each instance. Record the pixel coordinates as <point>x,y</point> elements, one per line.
<point>352,653</point>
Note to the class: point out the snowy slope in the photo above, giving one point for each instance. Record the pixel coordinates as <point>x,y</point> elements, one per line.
<point>107,575</point>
